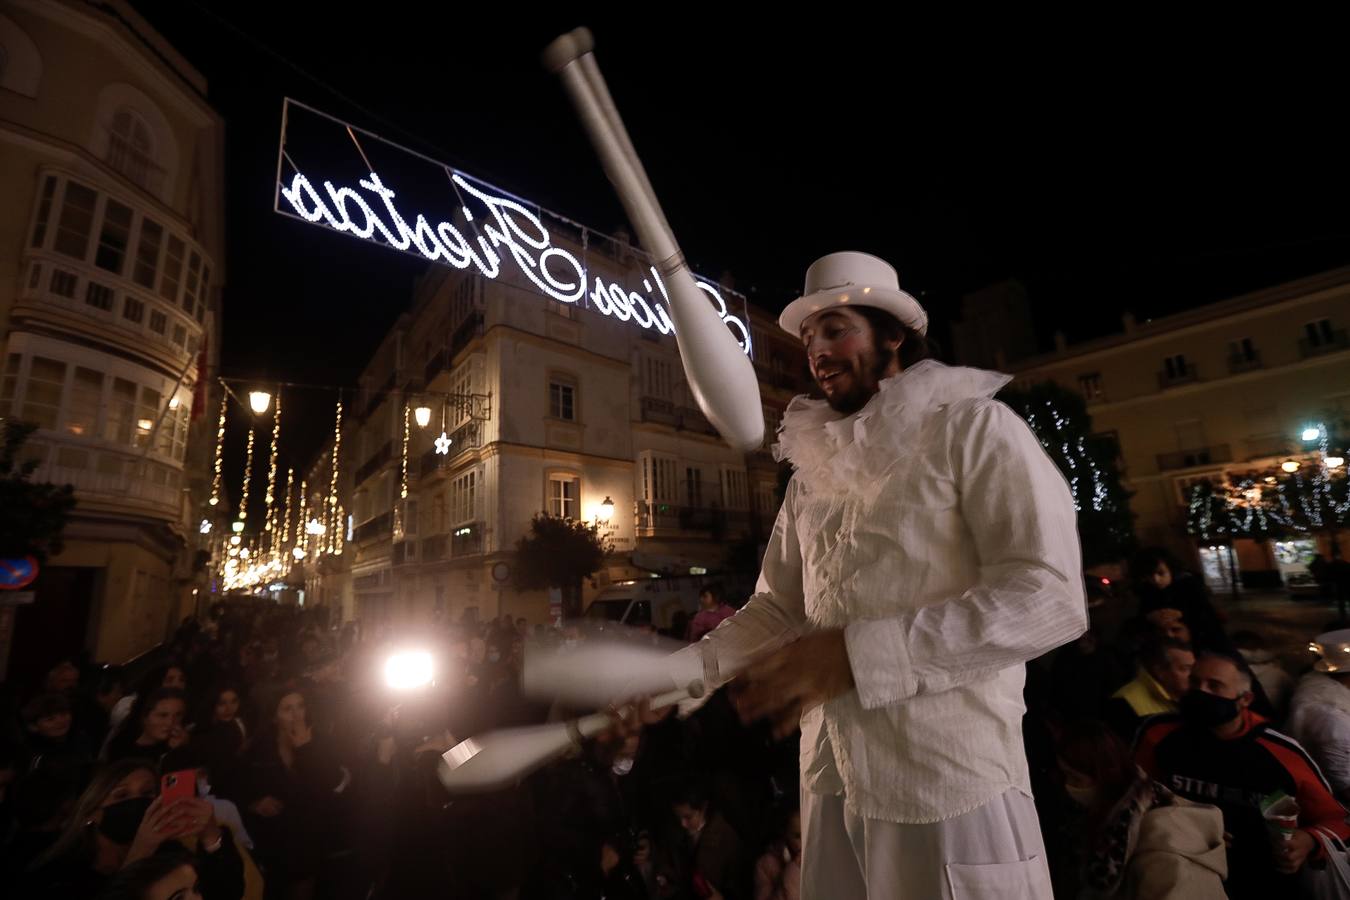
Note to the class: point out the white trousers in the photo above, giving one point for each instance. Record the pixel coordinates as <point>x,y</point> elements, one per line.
<point>994,851</point>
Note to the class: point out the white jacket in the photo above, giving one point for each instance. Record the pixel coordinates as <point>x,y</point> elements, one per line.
<point>933,528</point>
<point>1319,719</point>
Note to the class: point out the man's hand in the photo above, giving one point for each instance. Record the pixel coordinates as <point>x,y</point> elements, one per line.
<point>1290,855</point>
<point>802,675</point>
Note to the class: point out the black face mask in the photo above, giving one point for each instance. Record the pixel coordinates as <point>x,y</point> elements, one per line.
<point>1206,710</point>
<point>122,819</point>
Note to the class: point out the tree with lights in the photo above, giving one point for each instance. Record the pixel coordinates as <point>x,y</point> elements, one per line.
<point>1060,421</point>
<point>559,553</point>
<point>1271,503</point>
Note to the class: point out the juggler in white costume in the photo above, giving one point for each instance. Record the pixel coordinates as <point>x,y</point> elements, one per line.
<point>935,531</point>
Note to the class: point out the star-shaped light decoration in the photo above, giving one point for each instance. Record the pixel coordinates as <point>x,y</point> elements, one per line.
<point>443,444</point>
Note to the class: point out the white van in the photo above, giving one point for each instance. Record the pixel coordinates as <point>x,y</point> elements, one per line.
<point>655,601</point>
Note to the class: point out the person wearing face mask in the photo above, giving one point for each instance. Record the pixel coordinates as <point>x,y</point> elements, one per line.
<point>1124,835</point>
<point>119,821</point>
<point>1217,750</point>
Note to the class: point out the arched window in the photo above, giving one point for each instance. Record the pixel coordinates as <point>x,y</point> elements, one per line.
<point>131,150</point>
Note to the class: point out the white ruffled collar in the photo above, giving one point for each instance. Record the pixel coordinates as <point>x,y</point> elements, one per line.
<point>831,451</point>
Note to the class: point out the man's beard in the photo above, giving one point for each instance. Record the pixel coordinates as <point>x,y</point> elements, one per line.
<point>858,395</point>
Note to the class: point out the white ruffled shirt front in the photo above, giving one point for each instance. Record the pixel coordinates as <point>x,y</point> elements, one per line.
<point>935,531</point>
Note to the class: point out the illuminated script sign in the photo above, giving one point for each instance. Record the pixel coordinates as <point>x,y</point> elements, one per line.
<point>337,176</point>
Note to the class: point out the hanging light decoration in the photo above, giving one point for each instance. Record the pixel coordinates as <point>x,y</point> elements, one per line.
<point>270,499</point>
<point>248,473</point>
<point>286,519</point>
<point>333,479</point>
<point>402,479</point>
<point>300,518</point>
<point>220,449</point>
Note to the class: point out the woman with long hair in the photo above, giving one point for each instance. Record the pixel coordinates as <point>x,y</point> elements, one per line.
<point>220,735</point>
<point>290,789</point>
<point>153,729</point>
<point>119,820</point>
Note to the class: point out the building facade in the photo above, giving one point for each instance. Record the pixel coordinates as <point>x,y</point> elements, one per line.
<point>1227,387</point>
<point>545,407</point>
<point>112,229</point>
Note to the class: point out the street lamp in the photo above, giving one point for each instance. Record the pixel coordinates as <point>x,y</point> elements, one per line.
<point>423,416</point>
<point>606,509</point>
<point>259,401</point>
<point>1335,462</point>
<point>1290,465</point>
<point>1312,432</point>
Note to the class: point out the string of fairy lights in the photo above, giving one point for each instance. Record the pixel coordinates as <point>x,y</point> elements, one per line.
<point>1275,503</point>
<point>295,527</point>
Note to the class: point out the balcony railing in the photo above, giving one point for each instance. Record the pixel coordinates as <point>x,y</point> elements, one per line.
<point>650,515</point>
<point>1186,375</point>
<point>116,307</point>
<point>1238,362</point>
<point>466,540</point>
<point>665,412</point>
<point>1339,341</point>
<point>372,465</point>
<point>107,476</point>
<point>434,548</point>
<point>466,437</point>
<point>778,378</point>
<point>380,526</point>
<point>1190,459</point>
<point>470,328</point>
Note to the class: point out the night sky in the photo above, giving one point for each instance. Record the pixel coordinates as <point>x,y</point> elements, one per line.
<point>1107,166</point>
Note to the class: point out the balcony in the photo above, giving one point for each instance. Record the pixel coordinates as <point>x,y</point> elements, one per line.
<point>107,477</point>
<point>1187,375</point>
<point>378,527</point>
<point>375,463</point>
<point>470,328</point>
<point>1190,459</point>
<point>1238,363</point>
<point>1269,445</point>
<point>650,516</point>
<point>466,437</point>
<point>665,412</point>
<point>434,548</point>
<point>379,395</point>
<point>467,540</point>
<point>404,552</point>
<point>778,378</point>
<point>439,361</point>
<point>1339,341</point>
<point>107,308</point>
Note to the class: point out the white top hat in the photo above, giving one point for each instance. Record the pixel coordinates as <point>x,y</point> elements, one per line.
<point>1334,648</point>
<point>850,278</point>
